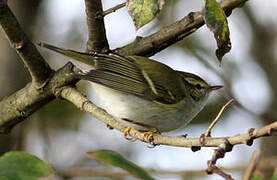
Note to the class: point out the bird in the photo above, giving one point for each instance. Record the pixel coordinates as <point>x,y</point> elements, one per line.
<point>141,93</point>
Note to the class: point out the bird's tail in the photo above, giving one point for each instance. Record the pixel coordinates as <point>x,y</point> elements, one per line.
<point>78,56</point>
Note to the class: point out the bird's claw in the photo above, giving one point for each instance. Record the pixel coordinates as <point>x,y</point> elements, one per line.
<point>149,133</point>
<point>126,134</point>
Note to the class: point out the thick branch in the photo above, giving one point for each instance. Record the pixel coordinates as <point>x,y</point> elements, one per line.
<point>72,95</point>
<point>97,40</point>
<point>24,102</point>
<point>38,68</point>
<point>167,36</point>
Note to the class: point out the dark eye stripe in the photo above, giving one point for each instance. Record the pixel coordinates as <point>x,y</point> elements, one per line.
<point>198,86</point>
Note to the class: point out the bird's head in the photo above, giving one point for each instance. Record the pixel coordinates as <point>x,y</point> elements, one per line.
<point>198,88</point>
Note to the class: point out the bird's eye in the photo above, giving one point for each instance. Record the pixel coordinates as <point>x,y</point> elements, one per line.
<point>198,86</point>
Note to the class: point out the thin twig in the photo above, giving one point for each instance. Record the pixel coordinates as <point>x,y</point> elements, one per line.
<point>251,166</point>
<point>208,132</point>
<point>113,9</point>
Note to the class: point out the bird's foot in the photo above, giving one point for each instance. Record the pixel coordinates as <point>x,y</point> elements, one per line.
<point>126,134</point>
<point>149,133</point>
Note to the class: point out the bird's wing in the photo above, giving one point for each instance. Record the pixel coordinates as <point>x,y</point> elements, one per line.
<point>133,75</point>
<point>168,84</point>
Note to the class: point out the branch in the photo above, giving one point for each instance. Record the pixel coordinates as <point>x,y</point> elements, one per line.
<point>218,154</point>
<point>36,65</point>
<point>215,170</point>
<point>74,96</point>
<point>24,102</point>
<point>97,40</point>
<point>42,90</point>
<point>113,9</point>
<point>169,35</point>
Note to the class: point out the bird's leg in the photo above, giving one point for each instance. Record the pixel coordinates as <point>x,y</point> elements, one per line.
<point>126,134</point>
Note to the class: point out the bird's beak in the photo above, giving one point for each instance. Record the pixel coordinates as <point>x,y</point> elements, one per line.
<point>212,88</point>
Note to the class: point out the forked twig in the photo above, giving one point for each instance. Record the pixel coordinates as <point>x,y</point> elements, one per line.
<point>215,170</point>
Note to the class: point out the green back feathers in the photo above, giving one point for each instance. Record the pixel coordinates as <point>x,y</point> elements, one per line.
<point>136,75</point>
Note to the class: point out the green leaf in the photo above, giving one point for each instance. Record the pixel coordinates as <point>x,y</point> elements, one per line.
<point>256,177</point>
<point>143,11</point>
<point>115,159</point>
<point>216,21</point>
<point>274,177</point>
<point>23,166</point>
